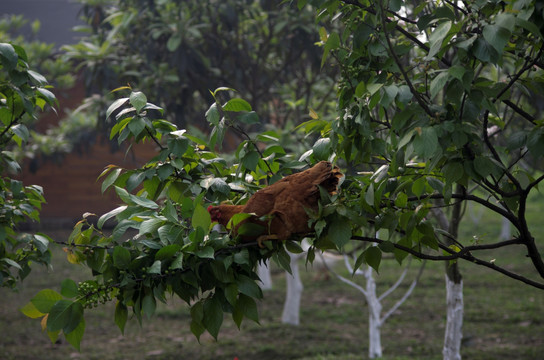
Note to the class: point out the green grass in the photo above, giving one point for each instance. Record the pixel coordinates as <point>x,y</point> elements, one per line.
<point>504,319</point>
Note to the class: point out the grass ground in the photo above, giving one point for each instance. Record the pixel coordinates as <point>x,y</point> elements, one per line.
<point>504,319</point>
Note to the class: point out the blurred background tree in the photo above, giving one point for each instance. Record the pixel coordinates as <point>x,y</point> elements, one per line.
<point>179,51</point>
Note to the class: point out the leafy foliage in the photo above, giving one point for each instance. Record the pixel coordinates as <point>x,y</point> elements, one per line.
<point>22,91</point>
<point>163,240</point>
<point>179,50</point>
<point>437,108</point>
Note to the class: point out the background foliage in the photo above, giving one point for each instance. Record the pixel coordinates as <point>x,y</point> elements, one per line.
<point>22,92</point>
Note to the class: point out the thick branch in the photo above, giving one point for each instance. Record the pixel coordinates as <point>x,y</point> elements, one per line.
<point>463,254</point>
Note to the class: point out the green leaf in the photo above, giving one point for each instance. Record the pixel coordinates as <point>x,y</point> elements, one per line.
<point>250,160</point>
<point>213,316</point>
<point>31,311</point>
<point>121,257</point>
<point>322,148</point>
<point>47,96</point>
<point>340,232</point>
<point>332,43</point>
<point>426,143</point>
<point>37,77</point>
<point>136,125</point>
<point>68,288</point>
<point>201,218</point>
<point>155,268</point>
<point>41,242</point>
<point>242,257</point>
<point>212,115</point>
<point>150,226</point>
<point>438,83</point>
<point>177,263</point>
<point>110,179</point>
<point>237,105</point>
<point>21,131</point>
<point>401,200</point>
<point>248,307</point>
<point>167,252</point>
<point>497,36</point>
<point>75,336</point>
<point>9,56</point>
<point>484,51</point>
<point>484,166</point>
<point>144,202</point>
<point>206,252</point>
<point>45,299</point>
<point>115,106</point>
<point>437,37</point>
<point>65,315</point>
<point>197,315</point>
<point>369,194</point>
<point>453,171</point>
<point>418,186</point>
<point>249,118</point>
<point>109,215</point>
<point>249,287</point>
<point>149,304</point>
<point>174,42</point>
<point>138,100</point>
<point>457,72</point>
<point>121,316</point>
<point>373,257</point>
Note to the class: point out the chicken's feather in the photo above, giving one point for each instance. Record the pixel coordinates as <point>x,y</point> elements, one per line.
<point>285,202</point>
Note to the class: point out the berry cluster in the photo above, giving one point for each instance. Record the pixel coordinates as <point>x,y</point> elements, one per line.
<point>93,293</point>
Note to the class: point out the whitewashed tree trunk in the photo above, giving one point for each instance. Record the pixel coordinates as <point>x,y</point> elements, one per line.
<point>375,317</point>
<point>291,307</point>
<point>263,271</point>
<point>454,290</point>
<point>454,323</point>
<point>374,321</point>
<point>505,229</point>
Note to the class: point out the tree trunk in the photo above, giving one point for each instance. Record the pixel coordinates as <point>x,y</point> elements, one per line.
<point>454,293</point>
<point>291,307</point>
<point>505,229</point>
<point>374,321</point>
<point>454,323</point>
<point>264,274</point>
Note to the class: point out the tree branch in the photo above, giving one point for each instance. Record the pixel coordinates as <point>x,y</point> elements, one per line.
<point>405,296</point>
<point>463,254</point>
<point>413,90</point>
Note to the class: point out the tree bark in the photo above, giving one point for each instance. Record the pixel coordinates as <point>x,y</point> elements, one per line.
<point>454,293</point>
<point>454,323</point>
<point>291,307</point>
<point>374,321</point>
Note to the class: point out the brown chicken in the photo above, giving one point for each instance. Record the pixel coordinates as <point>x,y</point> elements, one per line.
<point>281,208</point>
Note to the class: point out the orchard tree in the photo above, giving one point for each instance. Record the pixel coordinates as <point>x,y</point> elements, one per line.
<point>437,103</point>
<point>22,92</point>
<point>176,51</point>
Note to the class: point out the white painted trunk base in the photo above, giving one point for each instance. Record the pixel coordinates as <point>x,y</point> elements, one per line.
<point>291,307</point>
<point>454,322</point>
<point>374,317</point>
